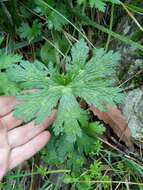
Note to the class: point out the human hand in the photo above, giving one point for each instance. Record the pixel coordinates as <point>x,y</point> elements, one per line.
<point>19,143</point>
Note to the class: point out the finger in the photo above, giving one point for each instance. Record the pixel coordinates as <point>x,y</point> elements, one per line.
<point>10,121</point>
<point>7,104</point>
<point>23,134</point>
<point>4,151</point>
<point>26,151</point>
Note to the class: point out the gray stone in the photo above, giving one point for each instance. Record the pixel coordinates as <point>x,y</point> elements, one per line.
<point>133,112</point>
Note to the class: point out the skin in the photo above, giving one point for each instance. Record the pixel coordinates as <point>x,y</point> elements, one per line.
<point>18,141</point>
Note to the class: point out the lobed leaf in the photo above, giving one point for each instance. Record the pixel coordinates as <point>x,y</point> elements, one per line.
<point>88,80</point>
<point>69,117</point>
<point>7,60</point>
<point>99,4</point>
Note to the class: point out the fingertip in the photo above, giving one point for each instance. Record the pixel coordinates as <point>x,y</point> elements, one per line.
<point>49,120</point>
<point>41,140</point>
<point>45,136</point>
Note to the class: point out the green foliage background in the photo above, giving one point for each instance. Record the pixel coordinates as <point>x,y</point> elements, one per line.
<point>70,40</point>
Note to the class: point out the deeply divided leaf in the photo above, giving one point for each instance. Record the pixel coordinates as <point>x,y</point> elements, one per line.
<point>89,80</point>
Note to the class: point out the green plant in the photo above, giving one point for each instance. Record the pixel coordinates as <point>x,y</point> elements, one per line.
<point>6,86</point>
<point>53,20</point>
<point>9,17</point>
<point>28,32</point>
<point>46,29</point>
<point>85,181</point>
<point>99,4</point>
<point>81,79</point>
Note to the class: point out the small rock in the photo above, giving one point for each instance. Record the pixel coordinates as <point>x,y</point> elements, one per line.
<point>133,112</point>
